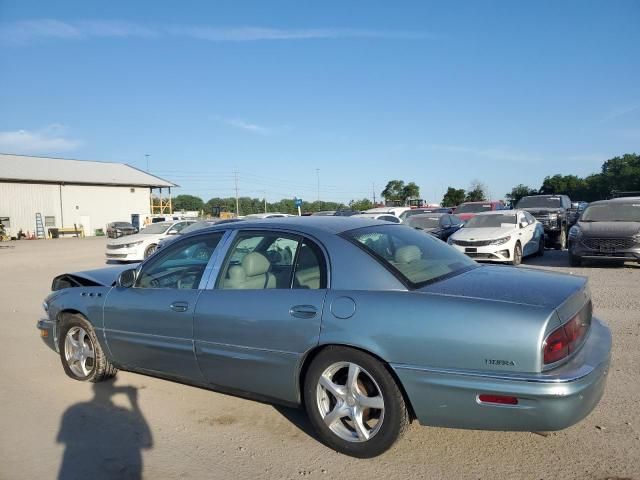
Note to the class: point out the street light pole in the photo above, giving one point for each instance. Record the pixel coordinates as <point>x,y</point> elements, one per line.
<point>318,177</point>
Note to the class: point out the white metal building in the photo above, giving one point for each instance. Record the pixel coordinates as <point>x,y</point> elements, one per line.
<point>72,192</point>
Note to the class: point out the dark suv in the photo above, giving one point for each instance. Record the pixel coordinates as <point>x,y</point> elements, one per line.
<point>607,229</point>
<point>553,212</point>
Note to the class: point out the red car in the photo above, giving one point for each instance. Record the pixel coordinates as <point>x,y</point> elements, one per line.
<point>467,210</point>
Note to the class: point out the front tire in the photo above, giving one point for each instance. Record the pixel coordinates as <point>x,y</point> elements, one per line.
<point>80,352</point>
<point>354,403</point>
<point>575,260</point>
<point>540,251</point>
<point>150,250</point>
<point>517,255</point>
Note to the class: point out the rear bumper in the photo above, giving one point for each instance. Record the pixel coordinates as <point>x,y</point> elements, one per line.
<point>547,401</point>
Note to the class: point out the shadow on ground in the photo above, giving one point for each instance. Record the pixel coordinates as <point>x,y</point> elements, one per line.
<point>102,439</point>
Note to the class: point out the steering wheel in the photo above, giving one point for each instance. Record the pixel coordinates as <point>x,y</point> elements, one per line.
<point>195,271</point>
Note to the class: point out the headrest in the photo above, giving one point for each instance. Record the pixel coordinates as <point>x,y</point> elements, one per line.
<point>408,254</point>
<point>236,274</point>
<point>255,263</point>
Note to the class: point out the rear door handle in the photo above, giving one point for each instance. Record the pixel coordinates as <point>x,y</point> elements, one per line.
<point>179,306</point>
<point>303,311</point>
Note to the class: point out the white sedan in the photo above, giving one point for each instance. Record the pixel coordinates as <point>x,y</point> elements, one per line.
<point>500,236</point>
<point>135,248</point>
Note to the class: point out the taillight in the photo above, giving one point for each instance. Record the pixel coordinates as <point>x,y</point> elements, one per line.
<point>567,338</point>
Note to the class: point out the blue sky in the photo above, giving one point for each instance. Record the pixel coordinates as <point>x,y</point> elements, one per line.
<point>440,93</point>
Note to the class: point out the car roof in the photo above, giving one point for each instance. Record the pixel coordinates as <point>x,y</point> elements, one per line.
<point>306,225</point>
<point>617,200</point>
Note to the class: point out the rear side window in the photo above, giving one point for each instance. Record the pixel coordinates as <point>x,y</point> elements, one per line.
<point>415,258</point>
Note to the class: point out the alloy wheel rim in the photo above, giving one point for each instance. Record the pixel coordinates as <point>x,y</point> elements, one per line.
<point>350,402</point>
<point>79,352</point>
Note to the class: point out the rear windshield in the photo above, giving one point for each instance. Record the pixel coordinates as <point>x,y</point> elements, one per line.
<point>423,222</point>
<point>415,257</point>
<point>612,212</point>
<point>474,208</point>
<point>482,221</point>
<point>540,202</point>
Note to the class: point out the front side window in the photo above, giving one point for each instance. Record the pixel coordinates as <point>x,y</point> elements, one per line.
<point>415,258</point>
<point>181,265</point>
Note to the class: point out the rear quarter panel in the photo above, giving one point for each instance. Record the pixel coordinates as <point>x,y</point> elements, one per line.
<point>440,331</point>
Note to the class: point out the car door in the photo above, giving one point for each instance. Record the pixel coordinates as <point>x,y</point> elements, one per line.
<point>254,323</point>
<point>150,326</point>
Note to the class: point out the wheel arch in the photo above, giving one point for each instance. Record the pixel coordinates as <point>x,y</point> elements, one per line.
<point>313,353</point>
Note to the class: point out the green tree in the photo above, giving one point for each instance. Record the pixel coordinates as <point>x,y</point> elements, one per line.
<point>398,192</point>
<point>476,192</point>
<point>187,203</point>
<point>363,204</point>
<point>518,192</point>
<point>453,197</point>
<point>394,191</point>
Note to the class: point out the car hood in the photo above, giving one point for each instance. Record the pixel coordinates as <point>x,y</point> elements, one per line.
<point>609,229</point>
<point>103,276</point>
<point>519,285</point>
<point>488,233</point>
<point>135,238</point>
<point>465,216</point>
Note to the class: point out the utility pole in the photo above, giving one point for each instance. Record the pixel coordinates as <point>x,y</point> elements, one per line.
<point>264,193</point>
<point>235,174</point>
<point>146,156</point>
<point>374,194</point>
<point>318,177</point>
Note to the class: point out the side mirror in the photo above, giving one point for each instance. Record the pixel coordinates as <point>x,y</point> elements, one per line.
<point>127,278</point>
<point>173,231</point>
<point>523,224</point>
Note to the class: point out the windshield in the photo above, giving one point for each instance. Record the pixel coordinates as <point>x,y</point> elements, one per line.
<point>413,256</point>
<point>122,225</point>
<point>473,208</point>
<point>498,220</point>
<point>541,201</point>
<point>423,222</point>
<point>156,228</point>
<point>612,212</point>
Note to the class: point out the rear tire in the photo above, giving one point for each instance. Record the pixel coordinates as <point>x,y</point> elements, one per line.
<point>517,255</point>
<point>80,352</point>
<point>354,403</point>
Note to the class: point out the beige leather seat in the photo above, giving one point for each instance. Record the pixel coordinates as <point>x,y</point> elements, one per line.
<point>251,274</point>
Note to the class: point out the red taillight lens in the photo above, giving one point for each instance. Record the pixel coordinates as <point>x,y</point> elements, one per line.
<point>566,339</point>
<point>500,399</point>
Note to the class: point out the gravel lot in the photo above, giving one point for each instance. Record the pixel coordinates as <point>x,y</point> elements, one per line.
<point>185,432</point>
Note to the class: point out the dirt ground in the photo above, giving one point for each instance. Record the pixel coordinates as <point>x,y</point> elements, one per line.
<point>52,426</point>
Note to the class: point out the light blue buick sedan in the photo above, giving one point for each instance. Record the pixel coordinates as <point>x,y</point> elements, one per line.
<point>368,325</point>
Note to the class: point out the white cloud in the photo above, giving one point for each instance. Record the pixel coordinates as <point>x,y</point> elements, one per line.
<point>28,31</point>
<point>51,139</point>
<point>247,126</point>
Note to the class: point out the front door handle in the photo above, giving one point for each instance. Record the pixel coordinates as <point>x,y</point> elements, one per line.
<point>303,311</point>
<point>179,306</point>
